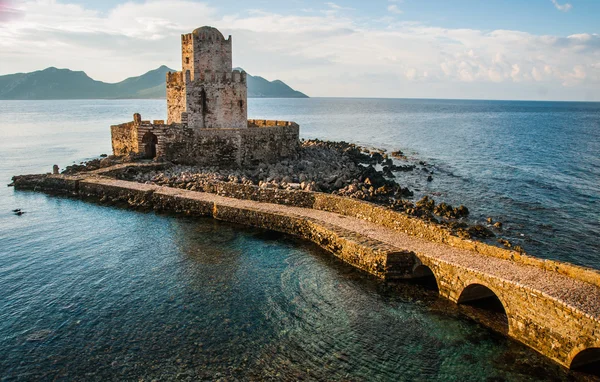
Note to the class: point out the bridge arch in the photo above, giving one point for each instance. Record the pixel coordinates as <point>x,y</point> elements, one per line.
<point>586,359</point>
<point>484,298</point>
<point>423,274</point>
<point>474,292</point>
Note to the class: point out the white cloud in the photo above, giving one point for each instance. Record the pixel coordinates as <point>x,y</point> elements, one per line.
<point>515,73</point>
<point>566,7</point>
<point>322,54</point>
<point>394,9</point>
<point>335,8</point>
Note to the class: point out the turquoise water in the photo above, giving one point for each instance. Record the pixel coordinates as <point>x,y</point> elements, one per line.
<point>97,293</point>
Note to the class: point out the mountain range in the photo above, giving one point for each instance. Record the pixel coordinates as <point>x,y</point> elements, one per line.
<point>53,83</point>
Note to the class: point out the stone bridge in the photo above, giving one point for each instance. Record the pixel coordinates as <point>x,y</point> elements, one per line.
<point>550,306</point>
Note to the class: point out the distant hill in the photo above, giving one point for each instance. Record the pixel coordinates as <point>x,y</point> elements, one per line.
<point>53,83</point>
<point>258,87</point>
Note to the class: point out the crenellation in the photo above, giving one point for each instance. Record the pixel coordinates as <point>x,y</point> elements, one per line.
<point>237,76</point>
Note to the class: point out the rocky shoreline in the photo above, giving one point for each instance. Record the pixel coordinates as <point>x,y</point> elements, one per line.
<point>337,168</point>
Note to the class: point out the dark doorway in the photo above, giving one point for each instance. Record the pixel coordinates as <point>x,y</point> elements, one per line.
<point>150,141</point>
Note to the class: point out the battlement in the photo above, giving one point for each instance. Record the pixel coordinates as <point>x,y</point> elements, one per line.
<point>270,123</point>
<point>209,76</point>
<point>175,78</point>
<point>205,35</point>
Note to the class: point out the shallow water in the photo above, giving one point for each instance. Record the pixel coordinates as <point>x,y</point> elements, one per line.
<point>97,293</point>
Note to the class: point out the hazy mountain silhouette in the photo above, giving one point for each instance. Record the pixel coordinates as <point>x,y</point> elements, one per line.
<point>259,87</point>
<point>53,83</point>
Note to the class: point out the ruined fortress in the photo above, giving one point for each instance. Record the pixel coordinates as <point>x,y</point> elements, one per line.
<point>207,114</point>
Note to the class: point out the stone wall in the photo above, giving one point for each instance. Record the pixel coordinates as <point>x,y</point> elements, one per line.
<point>176,97</point>
<point>211,147</point>
<point>268,123</point>
<point>232,147</point>
<point>217,99</point>
<point>124,138</point>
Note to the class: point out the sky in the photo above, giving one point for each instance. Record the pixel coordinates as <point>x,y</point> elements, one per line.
<point>486,49</point>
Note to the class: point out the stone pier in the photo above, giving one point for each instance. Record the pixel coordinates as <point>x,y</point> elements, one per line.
<point>552,307</point>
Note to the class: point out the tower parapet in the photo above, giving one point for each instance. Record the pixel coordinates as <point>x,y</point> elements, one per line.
<point>206,49</point>
<point>210,92</point>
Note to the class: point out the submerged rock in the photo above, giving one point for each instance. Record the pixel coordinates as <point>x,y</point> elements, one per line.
<point>480,231</point>
<point>398,155</point>
<point>38,336</point>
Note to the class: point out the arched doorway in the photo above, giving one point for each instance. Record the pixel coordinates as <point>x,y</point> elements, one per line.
<point>587,361</point>
<point>485,306</point>
<point>150,141</point>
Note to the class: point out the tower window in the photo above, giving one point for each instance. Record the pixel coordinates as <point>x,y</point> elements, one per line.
<point>241,104</point>
<point>203,101</point>
<point>187,60</point>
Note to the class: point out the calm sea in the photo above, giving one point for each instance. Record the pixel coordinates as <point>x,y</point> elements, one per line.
<point>96,293</point>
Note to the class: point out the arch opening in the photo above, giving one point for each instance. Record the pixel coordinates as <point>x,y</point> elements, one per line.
<point>423,276</point>
<point>150,141</point>
<point>482,304</point>
<point>587,361</point>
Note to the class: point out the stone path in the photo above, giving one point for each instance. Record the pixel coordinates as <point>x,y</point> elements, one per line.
<point>577,294</point>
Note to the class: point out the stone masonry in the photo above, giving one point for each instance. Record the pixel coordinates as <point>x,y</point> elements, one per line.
<point>207,114</point>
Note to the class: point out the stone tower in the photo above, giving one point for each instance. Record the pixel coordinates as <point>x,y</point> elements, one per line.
<point>207,93</point>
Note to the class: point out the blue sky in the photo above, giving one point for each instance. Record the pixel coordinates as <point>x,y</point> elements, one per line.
<point>528,49</point>
<point>534,16</point>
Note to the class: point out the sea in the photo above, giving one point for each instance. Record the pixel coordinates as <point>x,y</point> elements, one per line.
<point>97,293</point>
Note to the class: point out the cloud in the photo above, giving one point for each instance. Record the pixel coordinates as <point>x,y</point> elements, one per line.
<point>563,8</point>
<point>393,8</point>
<point>8,11</point>
<point>335,8</point>
<point>322,54</point>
